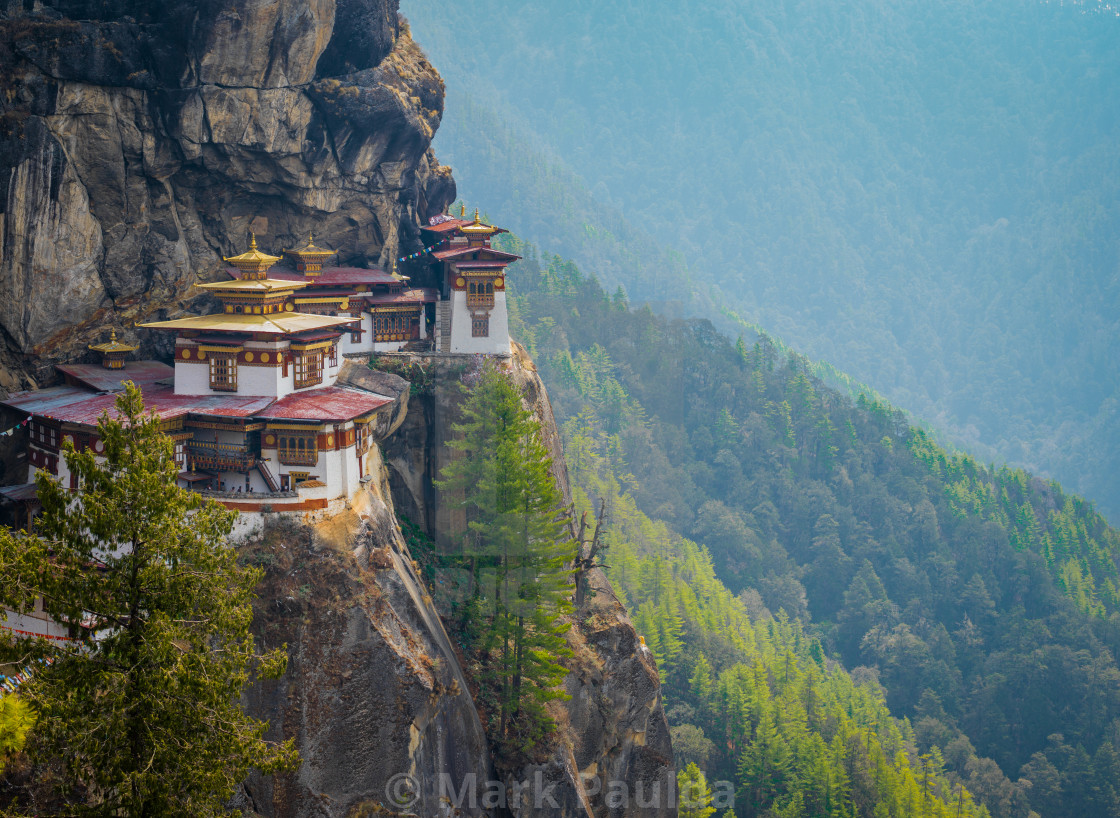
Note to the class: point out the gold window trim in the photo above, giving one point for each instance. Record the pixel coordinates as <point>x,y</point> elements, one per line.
<point>310,347</point>
<point>294,427</point>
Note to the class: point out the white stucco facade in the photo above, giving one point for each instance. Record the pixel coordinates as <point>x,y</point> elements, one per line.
<point>462,338</point>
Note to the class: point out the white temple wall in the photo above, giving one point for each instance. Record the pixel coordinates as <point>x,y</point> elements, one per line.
<point>265,381</point>
<point>496,343</point>
<point>193,378</point>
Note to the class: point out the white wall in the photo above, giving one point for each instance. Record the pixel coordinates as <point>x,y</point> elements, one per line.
<point>192,378</point>
<point>461,339</point>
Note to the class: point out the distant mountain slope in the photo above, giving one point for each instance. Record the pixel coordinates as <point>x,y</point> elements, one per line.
<point>986,601</point>
<point>925,194</point>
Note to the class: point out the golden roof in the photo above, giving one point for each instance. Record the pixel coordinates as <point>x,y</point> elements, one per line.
<point>253,260</point>
<point>283,323</point>
<point>112,346</point>
<point>311,251</point>
<point>241,286</point>
<point>477,228</point>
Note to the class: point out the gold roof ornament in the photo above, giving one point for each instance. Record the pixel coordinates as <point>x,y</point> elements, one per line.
<point>114,352</point>
<point>113,345</point>
<point>309,259</point>
<point>477,228</point>
<point>253,262</point>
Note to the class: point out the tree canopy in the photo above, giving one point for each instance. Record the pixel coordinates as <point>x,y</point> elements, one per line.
<point>519,555</point>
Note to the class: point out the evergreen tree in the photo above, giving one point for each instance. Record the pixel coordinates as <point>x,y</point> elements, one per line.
<point>695,794</point>
<point>519,553</point>
<point>140,570</point>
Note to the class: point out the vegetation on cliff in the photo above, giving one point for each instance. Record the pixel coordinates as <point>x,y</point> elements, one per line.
<point>517,558</point>
<point>982,599</point>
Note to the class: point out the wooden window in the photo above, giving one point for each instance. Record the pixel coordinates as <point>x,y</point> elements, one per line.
<point>480,326</point>
<point>223,372</point>
<point>42,433</point>
<point>298,450</point>
<point>309,368</point>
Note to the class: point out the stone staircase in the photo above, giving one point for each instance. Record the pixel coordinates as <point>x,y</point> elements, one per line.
<point>443,326</point>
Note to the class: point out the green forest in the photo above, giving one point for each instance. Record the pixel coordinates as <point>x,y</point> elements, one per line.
<point>767,532</point>
<point>925,195</point>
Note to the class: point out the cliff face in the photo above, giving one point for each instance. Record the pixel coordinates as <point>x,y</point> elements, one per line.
<point>375,695</point>
<point>140,142</point>
<point>612,736</point>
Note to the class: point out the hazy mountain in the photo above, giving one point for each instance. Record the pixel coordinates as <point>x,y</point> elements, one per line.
<point>925,194</point>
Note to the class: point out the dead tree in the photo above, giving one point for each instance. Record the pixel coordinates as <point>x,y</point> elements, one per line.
<point>589,552</point>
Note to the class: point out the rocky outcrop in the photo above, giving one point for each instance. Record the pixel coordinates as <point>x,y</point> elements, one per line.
<point>612,753</point>
<point>140,142</point>
<point>373,695</point>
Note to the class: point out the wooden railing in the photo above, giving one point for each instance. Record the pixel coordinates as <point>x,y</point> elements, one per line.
<point>216,456</point>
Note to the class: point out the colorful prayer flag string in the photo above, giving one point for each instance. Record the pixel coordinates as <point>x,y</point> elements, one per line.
<point>419,253</point>
<point>17,427</point>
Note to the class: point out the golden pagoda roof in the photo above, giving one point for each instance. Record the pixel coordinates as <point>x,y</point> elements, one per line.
<point>283,323</point>
<point>310,250</point>
<point>113,345</point>
<point>477,228</point>
<point>253,260</point>
<point>240,286</point>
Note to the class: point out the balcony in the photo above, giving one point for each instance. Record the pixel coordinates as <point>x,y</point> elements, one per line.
<point>298,457</point>
<point>213,456</point>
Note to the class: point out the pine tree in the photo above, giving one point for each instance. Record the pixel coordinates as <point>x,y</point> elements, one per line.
<point>695,794</point>
<point>139,568</point>
<point>519,553</point>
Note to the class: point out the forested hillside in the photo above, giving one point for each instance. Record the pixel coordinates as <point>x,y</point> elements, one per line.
<point>983,600</point>
<point>925,194</point>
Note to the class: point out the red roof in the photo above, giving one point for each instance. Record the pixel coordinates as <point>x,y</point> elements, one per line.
<point>447,226</point>
<point>424,295</point>
<point>484,265</point>
<point>453,225</point>
<point>219,340</point>
<point>70,405</point>
<point>307,337</point>
<point>446,255</point>
<point>331,403</point>
<point>100,379</point>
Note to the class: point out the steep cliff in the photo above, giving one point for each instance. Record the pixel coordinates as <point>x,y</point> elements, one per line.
<point>611,754</point>
<point>140,142</point>
<point>375,694</point>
